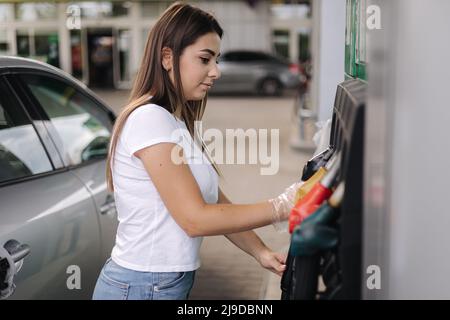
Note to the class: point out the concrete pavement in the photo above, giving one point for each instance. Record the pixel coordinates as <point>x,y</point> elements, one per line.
<point>227,272</point>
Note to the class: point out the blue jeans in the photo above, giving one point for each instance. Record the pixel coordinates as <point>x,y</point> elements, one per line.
<point>119,283</point>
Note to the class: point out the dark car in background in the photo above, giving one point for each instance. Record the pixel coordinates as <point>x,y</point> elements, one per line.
<point>54,135</point>
<point>256,72</point>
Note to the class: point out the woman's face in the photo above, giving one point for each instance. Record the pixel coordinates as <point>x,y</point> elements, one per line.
<point>199,66</point>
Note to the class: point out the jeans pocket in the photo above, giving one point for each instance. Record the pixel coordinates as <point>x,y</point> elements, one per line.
<point>110,289</point>
<point>169,280</point>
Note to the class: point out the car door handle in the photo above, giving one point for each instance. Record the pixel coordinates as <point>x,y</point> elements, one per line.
<point>11,261</point>
<point>16,250</point>
<point>109,205</point>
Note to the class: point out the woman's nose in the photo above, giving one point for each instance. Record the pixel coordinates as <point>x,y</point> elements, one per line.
<point>215,72</point>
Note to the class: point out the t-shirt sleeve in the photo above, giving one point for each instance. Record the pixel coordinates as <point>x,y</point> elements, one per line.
<point>149,125</point>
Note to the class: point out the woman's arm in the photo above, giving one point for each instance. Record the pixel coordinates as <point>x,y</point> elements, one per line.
<point>249,242</point>
<point>182,197</point>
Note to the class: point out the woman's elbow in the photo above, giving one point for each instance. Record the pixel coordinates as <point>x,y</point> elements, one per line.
<point>199,230</point>
<point>193,224</point>
<point>193,231</point>
<point>192,227</point>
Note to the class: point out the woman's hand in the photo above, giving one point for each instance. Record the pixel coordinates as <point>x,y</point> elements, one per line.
<point>272,261</point>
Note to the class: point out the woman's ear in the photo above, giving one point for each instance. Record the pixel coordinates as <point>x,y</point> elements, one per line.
<point>167,58</point>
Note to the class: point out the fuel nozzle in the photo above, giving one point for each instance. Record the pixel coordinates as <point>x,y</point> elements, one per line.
<point>327,213</point>
<point>320,192</point>
<point>316,234</point>
<point>326,159</point>
<point>315,163</point>
<point>309,184</point>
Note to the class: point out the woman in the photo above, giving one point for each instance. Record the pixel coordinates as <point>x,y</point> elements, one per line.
<point>165,206</point>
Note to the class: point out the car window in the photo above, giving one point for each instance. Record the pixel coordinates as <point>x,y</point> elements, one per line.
<point>230,56</point>
<point>21,152</point>
<point>83,126</point>
<point>239,56</point>
<point>257,56</point>
<point>249,56</point>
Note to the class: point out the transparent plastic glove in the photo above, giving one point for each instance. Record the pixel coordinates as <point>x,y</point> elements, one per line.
<point>282,206</point>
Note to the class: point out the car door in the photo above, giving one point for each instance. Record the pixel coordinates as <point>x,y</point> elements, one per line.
<point>81,127</point>
<point>236,73</point>
<point>44,205</point>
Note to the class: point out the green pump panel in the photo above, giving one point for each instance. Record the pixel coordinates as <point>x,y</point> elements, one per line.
<point>355,40</point>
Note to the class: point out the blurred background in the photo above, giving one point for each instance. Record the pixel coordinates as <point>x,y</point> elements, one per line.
<point>86,37</point>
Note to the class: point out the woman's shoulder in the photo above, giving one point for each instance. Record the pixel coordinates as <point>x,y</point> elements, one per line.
<point>152,108</point>
<point>152,113</point>
<point>152,119</point>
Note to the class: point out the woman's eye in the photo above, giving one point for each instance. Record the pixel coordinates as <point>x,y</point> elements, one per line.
<point>204,60</point>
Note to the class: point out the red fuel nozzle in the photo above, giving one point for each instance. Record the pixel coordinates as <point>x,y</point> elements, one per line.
<point>318,194</point>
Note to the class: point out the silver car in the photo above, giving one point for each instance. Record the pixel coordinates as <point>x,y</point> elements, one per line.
<point>58,221</point>
<point>255,72</point>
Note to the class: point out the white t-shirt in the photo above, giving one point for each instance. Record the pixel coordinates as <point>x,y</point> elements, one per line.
<point>148,238</point>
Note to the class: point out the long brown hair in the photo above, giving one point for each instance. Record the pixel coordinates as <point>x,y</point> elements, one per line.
<point>178,27</point>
